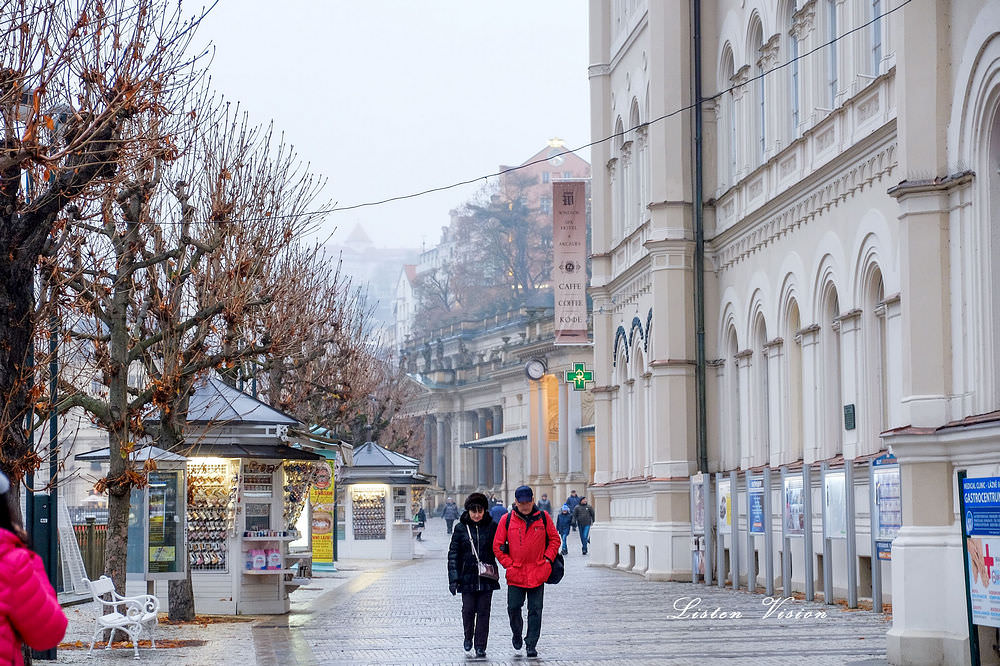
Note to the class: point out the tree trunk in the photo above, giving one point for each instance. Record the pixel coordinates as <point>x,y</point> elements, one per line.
<point>17,304</point>
<point>181,598</point>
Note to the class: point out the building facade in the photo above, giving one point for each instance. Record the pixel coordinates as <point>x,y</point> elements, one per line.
<point>848,152</point>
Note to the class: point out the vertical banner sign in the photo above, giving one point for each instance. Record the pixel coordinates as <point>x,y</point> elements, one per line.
<point>794,511</point>
<point>321,498</point>
<point>569,254</point>
<point>982,529</point>
<point>888,504</point>
<point>755,495</point>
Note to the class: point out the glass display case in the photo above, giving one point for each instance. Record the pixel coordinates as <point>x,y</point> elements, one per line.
<point>368,505</point>
<point>211,514</point>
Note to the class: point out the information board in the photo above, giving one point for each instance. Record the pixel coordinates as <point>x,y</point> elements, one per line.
<point>725,507</point>
<point>888,503</point>
<point>164,547</point>
<point>982,533</point>
<point>794,516</point>
<point>698,505</point>
<point>835,497</point>
<point>755,503</point>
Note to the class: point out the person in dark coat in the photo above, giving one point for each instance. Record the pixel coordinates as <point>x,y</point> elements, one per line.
<point>544,504</point>
<point>450,513</point>
<point>583,515</point>
<point>473,536</point>
<point>571,502</point>
<point>420,521</point>
<point>497,512</point>
<point>562,525</point>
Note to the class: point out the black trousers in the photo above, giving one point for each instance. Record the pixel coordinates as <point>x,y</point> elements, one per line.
<point>476,616</point>
<point>449,522</point>
<point>515,600</point>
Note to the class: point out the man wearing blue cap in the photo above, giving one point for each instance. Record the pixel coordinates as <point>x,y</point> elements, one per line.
<point>526,544</point>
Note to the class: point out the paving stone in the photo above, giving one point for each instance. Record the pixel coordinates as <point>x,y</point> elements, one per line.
<point>402,613</point>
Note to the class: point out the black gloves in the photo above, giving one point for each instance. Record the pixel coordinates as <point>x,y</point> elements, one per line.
<point>454,588</point>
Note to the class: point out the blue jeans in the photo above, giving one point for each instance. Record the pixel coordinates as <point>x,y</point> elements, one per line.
<point>564,535</point>
<point>584,536</point>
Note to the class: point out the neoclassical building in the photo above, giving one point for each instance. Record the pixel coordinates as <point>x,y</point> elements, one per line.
<point>843,178</point>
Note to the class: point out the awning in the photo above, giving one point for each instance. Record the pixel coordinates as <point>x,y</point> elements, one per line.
<point>497,441</point>
<point>267,451</point>
<point>388,479</point>
<point>141,455</point>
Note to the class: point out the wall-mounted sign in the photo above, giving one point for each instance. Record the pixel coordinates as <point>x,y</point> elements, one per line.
<point>755,502</point>
<point>849,421</point>
<point>579,376</point>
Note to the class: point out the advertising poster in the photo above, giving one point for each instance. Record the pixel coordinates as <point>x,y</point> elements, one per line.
<point>569,256</point>
<point>725,502</point>
<point>982,529</point>
<point>793,516</point>
<point>321,498</point>
<point>163,522</point>
<point>888,501</point>
<point>755,500</point>
<point>698,505</point>
<point>835,495</point>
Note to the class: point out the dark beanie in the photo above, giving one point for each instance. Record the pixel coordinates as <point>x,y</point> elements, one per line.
<point>476,499</point>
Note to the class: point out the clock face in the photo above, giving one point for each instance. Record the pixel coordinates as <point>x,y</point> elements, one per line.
<point>535,369</point>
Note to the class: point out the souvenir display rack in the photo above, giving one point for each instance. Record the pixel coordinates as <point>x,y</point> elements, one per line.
<point>369,514</point>
<point>211,512</point>
<point>299,477</point>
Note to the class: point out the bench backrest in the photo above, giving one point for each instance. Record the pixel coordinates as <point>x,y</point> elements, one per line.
<point>100,587</point>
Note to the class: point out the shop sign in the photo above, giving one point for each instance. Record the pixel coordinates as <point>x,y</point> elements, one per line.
<point>755,502</point>
<point>569,254</point>
<point>981,499</point>
<point>321,498</point>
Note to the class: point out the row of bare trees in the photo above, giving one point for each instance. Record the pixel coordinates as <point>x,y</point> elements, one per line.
<point>156,235</point>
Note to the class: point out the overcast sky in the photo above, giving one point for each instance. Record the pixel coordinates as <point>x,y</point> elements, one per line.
<point>391,97</point>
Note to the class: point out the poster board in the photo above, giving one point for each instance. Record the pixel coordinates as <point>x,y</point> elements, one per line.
<point>724,503</point>
<point>835,509</point>
<point>888,504</point>
<point>697,504</point>
<point>755,504</point>
<point>981,499</point>
<point>321,496</point>
<point>793,515</point>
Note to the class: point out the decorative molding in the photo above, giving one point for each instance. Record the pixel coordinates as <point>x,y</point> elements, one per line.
<point>872,168</point>
<point>850,314</point>
<point>804,20</point>
<point>774,344</point>
<point>939,184</point>
<point>769,52</point>
<point>670,363</point>
<point>746,353</point>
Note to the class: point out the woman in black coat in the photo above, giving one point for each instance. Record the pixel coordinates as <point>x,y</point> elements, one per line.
<point>475,529</point>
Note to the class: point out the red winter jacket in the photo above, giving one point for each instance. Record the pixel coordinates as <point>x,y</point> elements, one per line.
<point>29,609</point>
<point>528,562</point>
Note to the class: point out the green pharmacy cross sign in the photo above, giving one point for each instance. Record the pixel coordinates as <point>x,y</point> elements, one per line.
<point>579,376</point>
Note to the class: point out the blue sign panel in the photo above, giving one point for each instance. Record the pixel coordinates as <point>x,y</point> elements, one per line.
<point>982,506</point>
<point>755,494</point>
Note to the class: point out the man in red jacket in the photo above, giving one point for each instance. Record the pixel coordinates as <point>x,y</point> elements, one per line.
<point>526,544</point>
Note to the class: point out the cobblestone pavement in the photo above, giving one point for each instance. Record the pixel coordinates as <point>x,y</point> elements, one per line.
<point>402,613</point>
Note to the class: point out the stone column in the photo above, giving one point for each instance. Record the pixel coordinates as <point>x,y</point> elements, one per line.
<point>481,453</point>
<point>428,444</point>
<point>851,358</point>
<point>497,453</point>
<point>743,377</point>
<point>777,439</point>
<point>442,445</point>
<point>808,338</point>
<point>562,457</point>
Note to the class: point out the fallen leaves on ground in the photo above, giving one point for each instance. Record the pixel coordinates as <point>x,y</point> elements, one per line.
<point>164,643</point>
<point>207,619</point>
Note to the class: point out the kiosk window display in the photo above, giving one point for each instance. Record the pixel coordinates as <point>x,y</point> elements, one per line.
<point>368,505</point>
<point>211,514</point>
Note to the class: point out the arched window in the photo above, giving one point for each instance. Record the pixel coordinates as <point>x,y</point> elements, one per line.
<point>731,452</point>
<point>617,178</point>
<point>873,330</point>
<point>623,425</point>
<point>792,58</point>
<point>760,113</point>
<point>833,442</point>
<point>639,156</point>
<point>759,392</point>
<point>729,140</point>
<point>793,356</point>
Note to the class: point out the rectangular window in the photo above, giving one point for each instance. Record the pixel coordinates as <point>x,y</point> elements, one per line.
<point>832,51</point>
<point>793,54</point>
<point>546,177</point>
<point>876,29</point>
<point>545,203</point>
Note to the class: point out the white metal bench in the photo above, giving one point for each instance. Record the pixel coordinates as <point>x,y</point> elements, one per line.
<point>130,615</point>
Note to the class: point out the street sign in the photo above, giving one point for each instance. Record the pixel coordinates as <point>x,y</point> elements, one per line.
<point>579,376</point>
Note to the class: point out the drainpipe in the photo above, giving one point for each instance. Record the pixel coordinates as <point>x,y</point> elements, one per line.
<point>699,248</point>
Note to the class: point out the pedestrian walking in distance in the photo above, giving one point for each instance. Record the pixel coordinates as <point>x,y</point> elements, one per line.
<point>450,513</point>
<point>420,521</point>
<point>544,504</point>
<point>562,526</point>
<point>526,544</point>
<point>571,502</point>
<point>583,514</point>
<point>497,512</point>
<point>29,610</point>
<point>472,543</point>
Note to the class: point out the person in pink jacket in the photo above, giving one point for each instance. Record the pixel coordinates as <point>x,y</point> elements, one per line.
<point>29,610</point>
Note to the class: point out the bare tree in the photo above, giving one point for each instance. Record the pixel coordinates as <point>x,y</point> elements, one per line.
<point>76,78</point>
